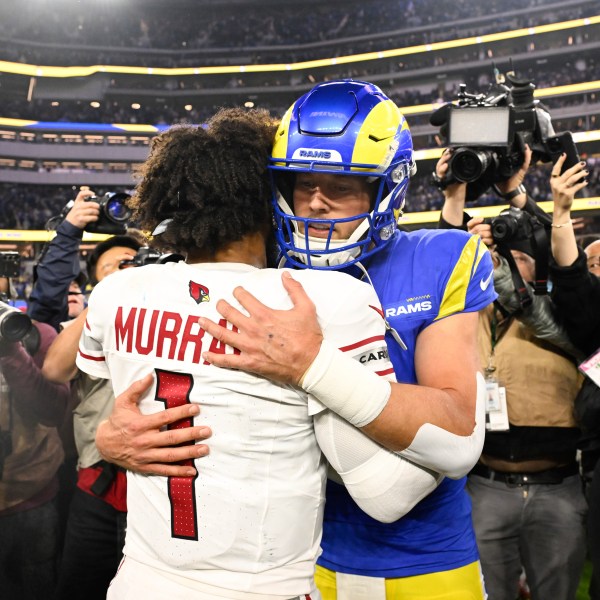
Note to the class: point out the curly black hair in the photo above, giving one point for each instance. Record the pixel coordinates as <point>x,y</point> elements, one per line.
<point>211,180</point>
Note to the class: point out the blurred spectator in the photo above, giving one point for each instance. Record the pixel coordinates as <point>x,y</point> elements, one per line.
<point>31,408</point>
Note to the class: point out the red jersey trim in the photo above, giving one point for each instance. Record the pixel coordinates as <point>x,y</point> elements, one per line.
<point>88,357</point>
<point>376,338</point>
<point>385,372</point>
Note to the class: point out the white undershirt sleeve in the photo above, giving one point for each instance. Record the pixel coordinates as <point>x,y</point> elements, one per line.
<point>453,455</point>
<point>384,484</point>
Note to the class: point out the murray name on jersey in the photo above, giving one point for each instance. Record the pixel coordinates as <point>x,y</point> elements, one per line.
<point>165,334</point>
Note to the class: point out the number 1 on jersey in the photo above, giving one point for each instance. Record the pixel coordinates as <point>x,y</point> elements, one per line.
<point>173,389</point>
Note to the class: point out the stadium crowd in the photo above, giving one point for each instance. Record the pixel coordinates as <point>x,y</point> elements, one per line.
<point>352,24</point>
<point>33,206</point>
<point>168,113</point>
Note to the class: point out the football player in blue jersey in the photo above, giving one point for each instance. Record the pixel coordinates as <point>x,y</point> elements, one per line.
<point>341,162</point>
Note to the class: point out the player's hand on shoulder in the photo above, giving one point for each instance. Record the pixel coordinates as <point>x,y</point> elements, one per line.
<point>277,344</point>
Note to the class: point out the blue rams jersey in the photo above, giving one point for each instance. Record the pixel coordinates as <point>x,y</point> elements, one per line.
<point>420,277</point>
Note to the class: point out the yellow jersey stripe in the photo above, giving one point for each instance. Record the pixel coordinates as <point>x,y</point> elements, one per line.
<point>455,293</point>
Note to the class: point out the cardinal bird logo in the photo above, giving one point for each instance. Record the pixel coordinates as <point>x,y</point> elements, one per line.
<point>199,292</point>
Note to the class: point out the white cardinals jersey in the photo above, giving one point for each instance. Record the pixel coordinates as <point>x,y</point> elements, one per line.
<point>251,519</point>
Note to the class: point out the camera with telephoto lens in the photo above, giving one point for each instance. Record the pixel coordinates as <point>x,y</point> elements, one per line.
<point>149,256</point>
<point>113,218</point>
<point>515,229</point>
<point>14,324</point>
<point>114,213</point>
<point>487,134</point>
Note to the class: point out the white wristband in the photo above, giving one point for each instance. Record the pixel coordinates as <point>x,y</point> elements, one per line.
<point>345,386</point>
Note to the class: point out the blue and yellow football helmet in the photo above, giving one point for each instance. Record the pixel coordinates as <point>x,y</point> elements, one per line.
<point>342,127</point>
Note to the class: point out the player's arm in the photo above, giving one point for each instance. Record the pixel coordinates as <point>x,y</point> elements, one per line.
<point>434,423</point>
<point>59,364</point>
<point>439,423</point>
<point>383,484</point>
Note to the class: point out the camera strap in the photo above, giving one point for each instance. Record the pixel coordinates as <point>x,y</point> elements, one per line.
<point>541,247</point>
<point>6,422</point>
<point>32,341</point>
<point>523,295</point>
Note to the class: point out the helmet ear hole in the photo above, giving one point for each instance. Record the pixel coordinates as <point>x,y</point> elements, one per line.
<point>284,182</point>
<point>376,189</point>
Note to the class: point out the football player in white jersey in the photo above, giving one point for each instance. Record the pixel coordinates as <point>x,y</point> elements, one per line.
<point>248,524</point>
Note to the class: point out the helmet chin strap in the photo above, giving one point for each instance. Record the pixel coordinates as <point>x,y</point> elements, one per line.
<point>330,259</point>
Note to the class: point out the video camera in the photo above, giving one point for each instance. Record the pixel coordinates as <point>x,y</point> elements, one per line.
<point>14,324</point>
<point>149,256</point>
<point>113,218</point>
<point>487,134</point>
<point>10,263</point>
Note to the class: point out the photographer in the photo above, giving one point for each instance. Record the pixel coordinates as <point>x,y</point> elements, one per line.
<point>59,272</point>
<point>56,299</point>
<point>31,407</point>
<point>98,499</point>
<point>576,292</point>
<point>528,507</point>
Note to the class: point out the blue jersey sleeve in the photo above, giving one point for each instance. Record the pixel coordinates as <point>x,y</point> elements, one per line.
<point>470,284</point>
<point>481,291</point>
